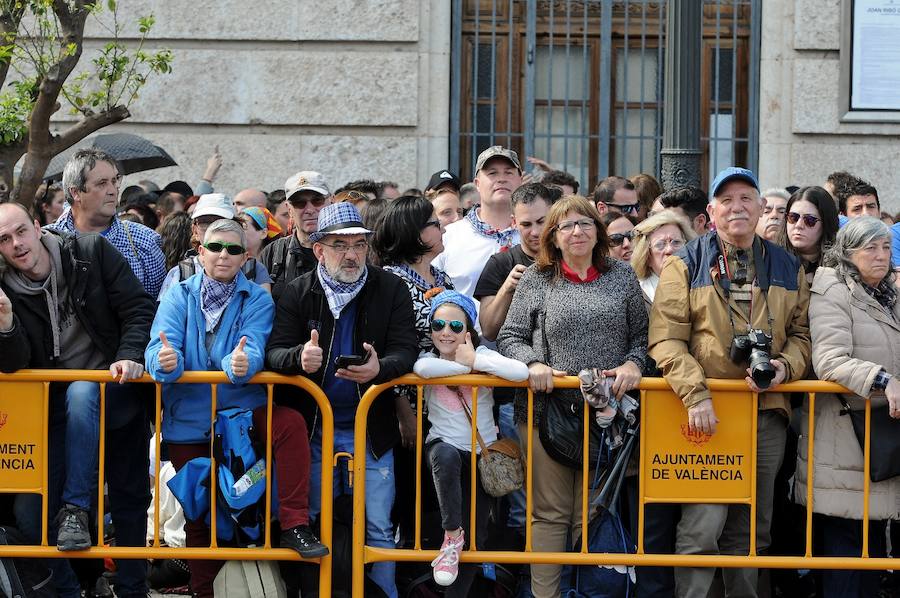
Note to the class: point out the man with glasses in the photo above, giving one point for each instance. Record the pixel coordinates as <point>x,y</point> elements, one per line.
<point>91,183</point>
<point>720,293</point>
<point>347,326</point>
<point>209,208</point>
<point>71,302</point>
<point>292,256</point>
<point>617,194</point>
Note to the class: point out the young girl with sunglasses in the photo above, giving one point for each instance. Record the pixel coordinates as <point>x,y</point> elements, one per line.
<point>449,443</point>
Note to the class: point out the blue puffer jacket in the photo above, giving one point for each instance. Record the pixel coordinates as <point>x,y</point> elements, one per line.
<point>186,407</point>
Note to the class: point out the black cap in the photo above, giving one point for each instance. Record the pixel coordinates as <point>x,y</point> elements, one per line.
<point>179,187</point>
<point>443,177</point>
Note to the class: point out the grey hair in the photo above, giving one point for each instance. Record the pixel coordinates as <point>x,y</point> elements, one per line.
<point>853,236</point>
<point>776,192</point>
<point>225,225</point>
<point>76,169</point>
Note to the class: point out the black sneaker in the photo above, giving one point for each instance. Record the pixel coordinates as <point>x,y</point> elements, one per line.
<point>304,541</point>
<point>72,523</point>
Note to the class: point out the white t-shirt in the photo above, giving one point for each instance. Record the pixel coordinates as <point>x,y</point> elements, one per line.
<point>445,412</point>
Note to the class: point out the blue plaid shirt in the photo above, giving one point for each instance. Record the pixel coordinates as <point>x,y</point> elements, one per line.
<point>141,247</point>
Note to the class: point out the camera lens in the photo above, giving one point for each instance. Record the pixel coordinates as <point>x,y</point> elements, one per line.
<point>761,369</point>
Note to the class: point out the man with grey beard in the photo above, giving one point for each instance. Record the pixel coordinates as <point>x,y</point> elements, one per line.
<point>347,326</point>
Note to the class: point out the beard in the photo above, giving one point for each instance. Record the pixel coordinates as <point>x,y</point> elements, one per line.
<point>344,276</point>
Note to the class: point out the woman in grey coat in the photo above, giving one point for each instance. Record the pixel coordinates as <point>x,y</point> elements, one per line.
<point>574,308</point>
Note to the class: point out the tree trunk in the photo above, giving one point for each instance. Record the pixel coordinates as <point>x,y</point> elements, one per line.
<point>9,155</point>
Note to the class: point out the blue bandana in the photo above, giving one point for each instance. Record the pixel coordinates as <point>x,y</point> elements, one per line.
<point>214,298</point>
<point>440,278</point>
<point>503,237</point>
<point>340,294</point>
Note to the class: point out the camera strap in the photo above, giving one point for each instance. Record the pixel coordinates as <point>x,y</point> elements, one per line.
<point>761,279</point>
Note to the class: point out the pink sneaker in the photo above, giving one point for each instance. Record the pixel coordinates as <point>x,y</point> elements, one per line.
<point>446,565</point>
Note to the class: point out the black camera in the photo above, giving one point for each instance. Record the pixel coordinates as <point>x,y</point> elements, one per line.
<point>754,347</point>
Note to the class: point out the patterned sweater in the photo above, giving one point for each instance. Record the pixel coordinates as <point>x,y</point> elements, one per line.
<point>595,324</point>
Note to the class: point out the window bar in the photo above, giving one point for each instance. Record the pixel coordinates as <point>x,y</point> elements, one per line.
<point>735,23</point>
<point>714,141</point>
<point>585,99</point>
<point>473,145</point>
<point>623,160</point>
<point>567,87</point>
<point>549,145</point>
<point>493,71</point>
<point>455,84</point>
<point>605,87</point>
<point>660,79</point>
<point>753,85</point>
<point>101,464</point>
<point>510,54</point>
<point>530,57</point>
<point>643,68</point>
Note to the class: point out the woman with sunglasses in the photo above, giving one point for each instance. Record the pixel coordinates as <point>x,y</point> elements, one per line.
<point>575,308</point>
<point>810,226</point>
<point>619,229</point>
<point>217,319</point>
<point>457,351</point>
<point>655,239</point>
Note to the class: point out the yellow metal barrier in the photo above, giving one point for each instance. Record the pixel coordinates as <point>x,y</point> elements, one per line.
<point>24,408</point>
<point>732,449</point>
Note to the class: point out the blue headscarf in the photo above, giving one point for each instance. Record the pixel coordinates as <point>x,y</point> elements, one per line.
<point>456,298</point>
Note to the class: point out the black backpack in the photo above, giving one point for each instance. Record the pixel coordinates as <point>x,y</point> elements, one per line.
<point>21,577</point>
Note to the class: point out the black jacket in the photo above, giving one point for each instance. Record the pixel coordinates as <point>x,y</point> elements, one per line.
<point>108,301</point>
<point>384,318</point>
<point>286,260</point>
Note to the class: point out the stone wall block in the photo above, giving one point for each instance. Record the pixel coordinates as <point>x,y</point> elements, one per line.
<point>817,24</point>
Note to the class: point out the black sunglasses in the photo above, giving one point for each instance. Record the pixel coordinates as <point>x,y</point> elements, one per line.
<point>617,239</point>
<point>455,325</point>
<point>625,208</point>
<point>808,219</point>
<point>300,203</point>
<point>231,248</point>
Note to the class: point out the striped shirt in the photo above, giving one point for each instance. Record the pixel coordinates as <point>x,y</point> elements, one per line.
<point>141,247</point>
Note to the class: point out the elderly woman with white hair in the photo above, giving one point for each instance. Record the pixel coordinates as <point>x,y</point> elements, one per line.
<point>854,319</point>
<point>653,240</point>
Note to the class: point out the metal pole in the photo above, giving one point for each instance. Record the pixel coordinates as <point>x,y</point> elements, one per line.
<point>680,156</point>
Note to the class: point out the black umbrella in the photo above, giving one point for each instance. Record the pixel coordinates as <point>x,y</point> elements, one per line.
<point>134,154</point>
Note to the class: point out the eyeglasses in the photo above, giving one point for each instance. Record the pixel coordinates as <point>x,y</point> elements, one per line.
<point>357,248</point>
<point>455,325</point>
<point>567,227</point>
<point>616,239</point>
<point>808,219</point>
<point>353,197</point>
<point>231,248</point>
<point>625,208</point>
<point>436,223</point>
<point>300,203</point>
<point>661,245</point>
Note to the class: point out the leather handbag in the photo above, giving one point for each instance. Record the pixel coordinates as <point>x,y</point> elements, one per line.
<point>884,446</point>
<point>501,465</point>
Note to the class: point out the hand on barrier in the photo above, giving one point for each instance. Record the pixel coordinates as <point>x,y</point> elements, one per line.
<point>540,376</point>
<point>626,377</point>
<point>168,359</point>
<point>126,370</point>
<point>780,375</point>
<point>239,362</point>
<point>465,353</point>
<point>892,391</point>
<point>6,313</point>
<point>311,356</point>
<point>702,417</point>
<point>365,373</point>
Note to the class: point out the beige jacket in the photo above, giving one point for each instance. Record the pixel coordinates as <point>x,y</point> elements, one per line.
<point>852,339</point>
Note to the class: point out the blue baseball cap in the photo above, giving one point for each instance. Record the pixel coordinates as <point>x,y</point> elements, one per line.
<point>733,173</point>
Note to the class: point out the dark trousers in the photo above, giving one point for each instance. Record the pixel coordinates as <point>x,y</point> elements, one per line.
<point>843,537</point>
<point>290,449</point>
<point>451,469</point>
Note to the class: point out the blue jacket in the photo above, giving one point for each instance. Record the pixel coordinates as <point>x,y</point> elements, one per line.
<point>186,407</point>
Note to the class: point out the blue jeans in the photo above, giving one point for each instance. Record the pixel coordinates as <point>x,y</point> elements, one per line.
<point>127,464</point>
<point>379,498</point>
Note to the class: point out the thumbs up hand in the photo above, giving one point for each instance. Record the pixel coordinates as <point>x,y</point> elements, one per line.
<point>168,358</point>
<point>465,352</point>
<point>311,356</point>
<point>6,313</point>
<point>239,362</point>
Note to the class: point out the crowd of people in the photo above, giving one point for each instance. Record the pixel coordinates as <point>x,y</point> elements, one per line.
<point>514,274</point>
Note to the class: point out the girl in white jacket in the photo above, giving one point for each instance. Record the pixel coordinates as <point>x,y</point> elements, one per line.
<point>449,443</point>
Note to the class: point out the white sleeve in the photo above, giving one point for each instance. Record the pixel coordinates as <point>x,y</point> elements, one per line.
<point>491,362</point>
<point>430,366</point>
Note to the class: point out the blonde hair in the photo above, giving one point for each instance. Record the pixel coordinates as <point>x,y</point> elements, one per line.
<point>640,243</point>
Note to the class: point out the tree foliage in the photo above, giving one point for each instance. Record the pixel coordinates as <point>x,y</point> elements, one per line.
<point>41,44</point>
